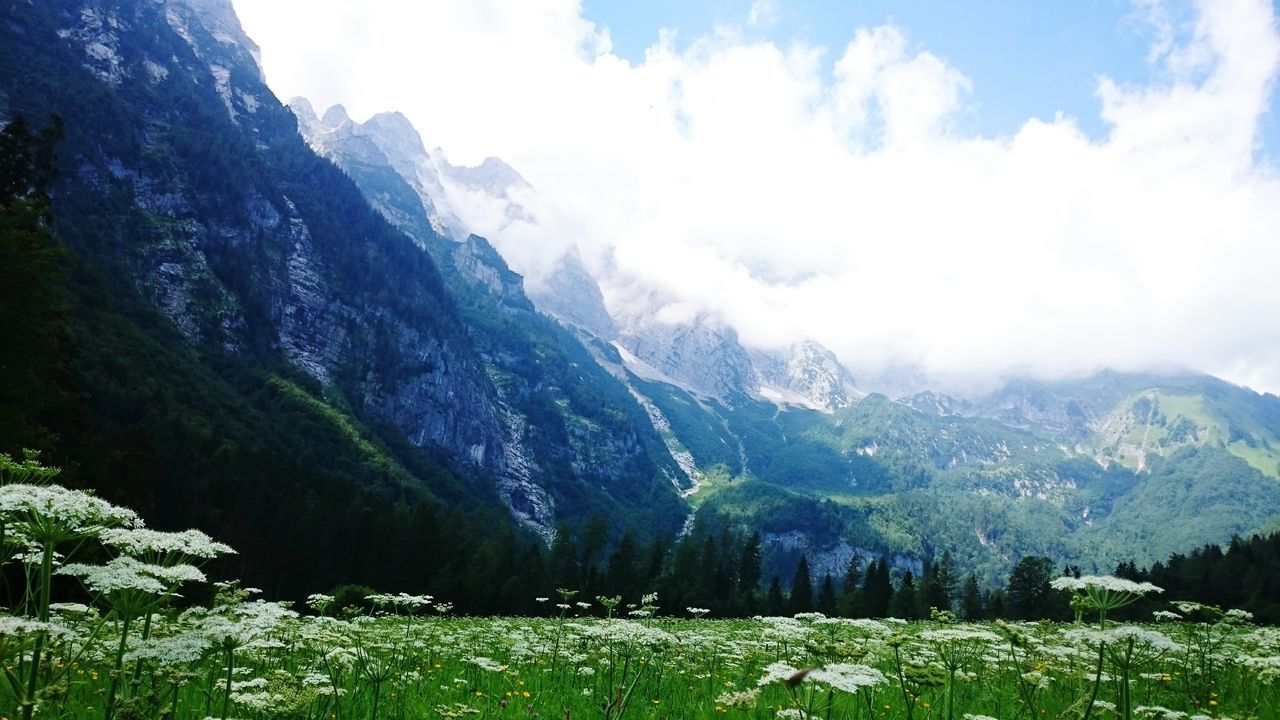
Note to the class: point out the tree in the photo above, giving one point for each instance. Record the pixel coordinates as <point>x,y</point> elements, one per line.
<point>850,601</point>
<point>34,320</point>
<point>903,604</point>
<point>749,575</point>
<point>971,599</point>
<point>749,566</point>
<point>942,587</point>
<point>592,540</point>
<point>827,596</point>
<point>564,558</point>
<point>620,574</point>
<point>773,601</point>
<point>877,589</point>
<point>801,589</point>
<point>1028,589</point>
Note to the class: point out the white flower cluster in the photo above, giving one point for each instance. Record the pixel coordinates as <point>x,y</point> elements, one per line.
<point>400,600</point>
<point>1156,712</point>
<point>24,626</point>
<point>627,631</point>
<point>46,513</point>
<point>1104,582</point>
<point>950,635</point>
<point>1149,638</point>
<point>126,573</point>
<point>485,663</point>
<point>846,677</point>
<point>741,699</point>
<point>143,541</point>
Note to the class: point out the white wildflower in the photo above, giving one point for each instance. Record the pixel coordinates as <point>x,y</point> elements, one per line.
<point>742,699</point>
<point>142,541</point>
<point>1157,712</point>
<point>122,573</point>
<point>848,677</point>
<point>775,672</point>
<point>52,513</point>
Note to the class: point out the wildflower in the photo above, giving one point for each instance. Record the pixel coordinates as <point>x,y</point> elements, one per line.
<point>743,699</point>
<point>142,541</point>
<point>319,601</point>
<point>53,514</point>
<point>126,573</point>
<point>775,672</point>
<point>848,677</point>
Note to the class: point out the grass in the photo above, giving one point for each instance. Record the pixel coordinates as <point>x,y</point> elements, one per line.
<point>130,654</point>
<point>397,666</point>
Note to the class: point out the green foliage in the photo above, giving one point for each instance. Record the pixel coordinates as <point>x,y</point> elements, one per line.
<point>35,352</point>
<point>1028,588</point>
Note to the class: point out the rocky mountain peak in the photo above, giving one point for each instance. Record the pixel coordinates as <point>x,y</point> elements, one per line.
<point>805,373</point>
<point>335,117</point>
<point>703,354</point>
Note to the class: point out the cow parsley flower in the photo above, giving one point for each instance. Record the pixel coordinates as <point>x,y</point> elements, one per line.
<point>53,514</point>
<point>778,671</point>
<point>143,541</point>
<point>126,573</point>
<point>1109,583</point>
<point>848,677</point>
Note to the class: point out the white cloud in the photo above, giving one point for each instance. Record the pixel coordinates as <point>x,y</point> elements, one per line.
<point>744,178</point>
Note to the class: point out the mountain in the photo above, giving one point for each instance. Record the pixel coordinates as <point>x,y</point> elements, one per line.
<point>701,353</point>
<point>786,441</point>
<point>246,324</point>
<point>805,373</point>
<point>567,420</point>
<point>284,328</point>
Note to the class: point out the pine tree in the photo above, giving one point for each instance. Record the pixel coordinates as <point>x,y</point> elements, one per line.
<point>564,559</point>
<point>774,602</point>
<point>903,604</point>
<point>1028,588</point>
<point>749,566</point>
<point>749,575</point>
<point>971,600</point>
<point>877,589</point>
<point>35,337</point>
<point>801,599</point>
<point>827,596</point>
<point>850,596</point>
<point>942,590</point>
<point>620,574</point>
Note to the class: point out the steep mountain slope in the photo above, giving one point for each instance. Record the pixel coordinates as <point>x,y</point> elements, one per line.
<point>570,424</point>
<point>701,353</point>
<point>186,187</point>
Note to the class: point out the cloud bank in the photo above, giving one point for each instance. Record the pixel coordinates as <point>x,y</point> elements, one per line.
<point>803,191</point>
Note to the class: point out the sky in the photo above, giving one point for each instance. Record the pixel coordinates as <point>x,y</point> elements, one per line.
<point>977,190</point>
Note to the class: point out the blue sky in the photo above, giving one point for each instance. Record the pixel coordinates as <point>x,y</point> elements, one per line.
<point>1025,58</point>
